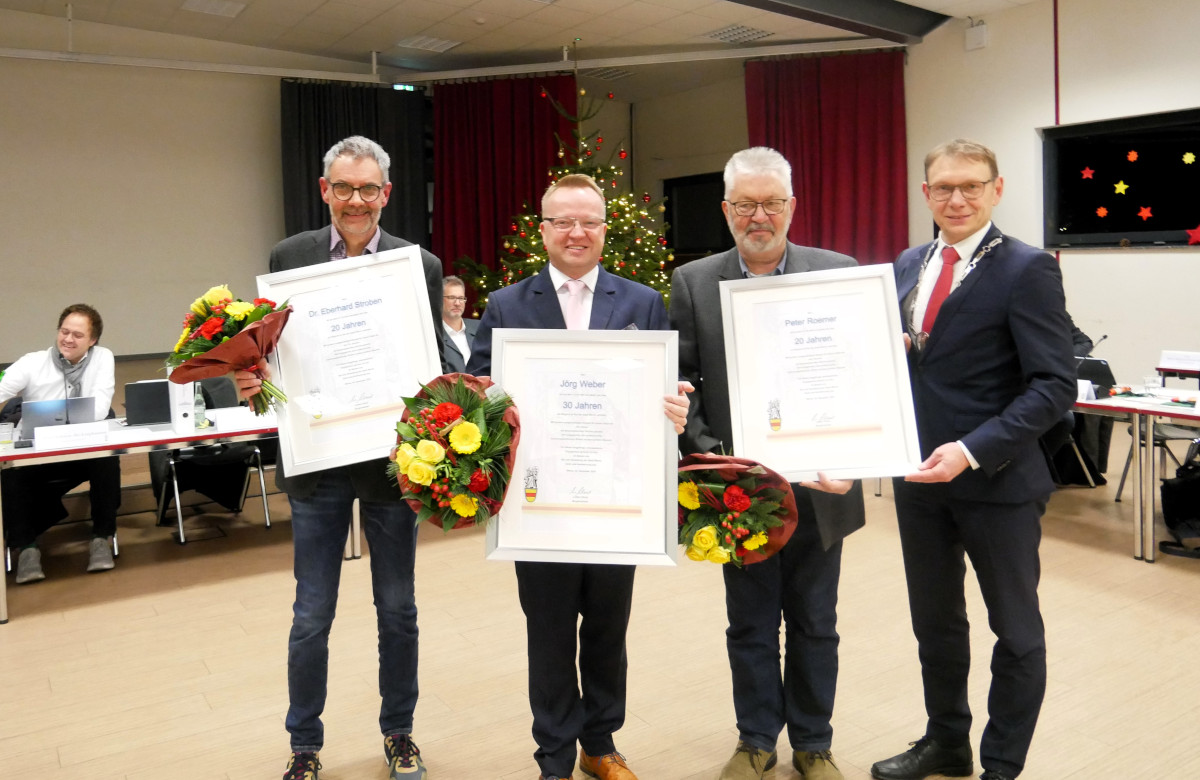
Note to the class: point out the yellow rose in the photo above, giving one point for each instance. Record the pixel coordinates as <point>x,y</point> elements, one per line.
<point>239,309</point>
<point>430,451</point>
<point>420,472</point>
<point>464,506</point>
<point>465,438</point>
<point>689,496</point>
<point>404,456</point>
<point>706,538</point>
<point>182,339</point>
<point>756,541</point>
<point>696,554</point>
<point>718,555</point>
<point>217,294</point>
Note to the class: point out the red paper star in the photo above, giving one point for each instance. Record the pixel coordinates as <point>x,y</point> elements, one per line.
<point>1102,212</point>
<point>1194,236</point>
<point>1087,173</point>
<point>1132,156</point>
<point>1145,213</point>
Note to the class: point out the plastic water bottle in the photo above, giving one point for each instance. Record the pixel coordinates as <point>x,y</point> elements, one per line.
<point>199,408</point>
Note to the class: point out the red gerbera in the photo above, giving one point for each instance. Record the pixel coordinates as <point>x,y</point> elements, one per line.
<point>736,499</point>
<point>446,412</point>
<point>479,482</point>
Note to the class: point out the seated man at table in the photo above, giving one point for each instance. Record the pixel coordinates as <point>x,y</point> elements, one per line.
<point>75,367</point>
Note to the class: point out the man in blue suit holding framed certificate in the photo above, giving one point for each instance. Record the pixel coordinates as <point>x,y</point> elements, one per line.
<point>575,293</point>
<point>990,360</point>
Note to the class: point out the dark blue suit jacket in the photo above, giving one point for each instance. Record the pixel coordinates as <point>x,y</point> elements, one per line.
<point>998,369</point>
<point>616,304</point>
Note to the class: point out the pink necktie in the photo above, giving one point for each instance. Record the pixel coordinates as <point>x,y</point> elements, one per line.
<point>941,288</point>
<point>573,311</point>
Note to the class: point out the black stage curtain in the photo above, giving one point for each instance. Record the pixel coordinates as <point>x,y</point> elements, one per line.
<point>316,115</point>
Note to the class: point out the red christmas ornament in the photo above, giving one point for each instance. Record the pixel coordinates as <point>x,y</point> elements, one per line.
<point>612,184</point>
<point>622,154</point>
<point>646,196</point>
<point>610,96</point>
<point>662,241</point>
<point>621,264</point>
<point>513,228</point>
<point>589,153</point>
<point>521,234</point>
<point>543,93</point>
<point>616,214</point>
<point>599,140</point>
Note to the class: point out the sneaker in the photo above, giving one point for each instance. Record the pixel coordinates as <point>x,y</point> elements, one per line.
<point>302,766</point>
<point>403,758</point>
<point>29,566</point>
<point>100,556</point>
<point>816,765</point>
<point>748,763</point>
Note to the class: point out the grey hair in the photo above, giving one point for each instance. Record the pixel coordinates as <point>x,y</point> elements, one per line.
<point>454,280</point>
<point>755,161</point>
<point>356,147</point>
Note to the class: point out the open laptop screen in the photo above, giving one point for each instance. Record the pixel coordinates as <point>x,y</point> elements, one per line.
<point>35,414</point>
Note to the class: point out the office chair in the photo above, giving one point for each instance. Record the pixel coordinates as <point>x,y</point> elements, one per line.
<point>219,471</point>
<point>1163,433</point>
<point>1062,434</point>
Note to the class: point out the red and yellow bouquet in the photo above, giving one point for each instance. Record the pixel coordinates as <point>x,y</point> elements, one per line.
<point>733,510</point>
<point>223,334</point>
<point>455,447</point>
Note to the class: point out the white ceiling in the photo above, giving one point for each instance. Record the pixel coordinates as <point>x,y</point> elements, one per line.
<point>491,33</point>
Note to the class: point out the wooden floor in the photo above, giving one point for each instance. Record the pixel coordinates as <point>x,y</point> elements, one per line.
<point>173,665</point>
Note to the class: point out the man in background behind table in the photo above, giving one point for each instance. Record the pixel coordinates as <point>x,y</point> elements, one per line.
<point>574,292</point>
<point>75,367</point>
<point>356,187</point>
<point>458,334</point>
<point>800,582</point>
<point>991,366</point>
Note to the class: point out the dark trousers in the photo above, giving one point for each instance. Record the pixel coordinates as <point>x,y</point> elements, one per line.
<point>1002,541</point>
<point>554,596</point>
<point>799,585</point>
<point>32,496</point>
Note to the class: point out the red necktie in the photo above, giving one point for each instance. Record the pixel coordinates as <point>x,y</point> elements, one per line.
<point>940,289</point>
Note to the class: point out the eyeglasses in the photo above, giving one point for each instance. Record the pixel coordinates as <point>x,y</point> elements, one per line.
<point>971,190</point>
<point>563,224</point>
<point>368,192</point>
<point>747,208</point>
<point>455,298</point>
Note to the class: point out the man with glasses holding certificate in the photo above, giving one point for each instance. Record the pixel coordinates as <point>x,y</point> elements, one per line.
<point>800,582</point>
<point>356,188</point>
<point>575,293</point>
<point>990,360</point>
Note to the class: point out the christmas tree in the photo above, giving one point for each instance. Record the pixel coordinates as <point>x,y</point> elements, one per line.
<point>634,246</point>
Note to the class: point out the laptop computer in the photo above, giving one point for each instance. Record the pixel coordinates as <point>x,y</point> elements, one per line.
<point>35,414</point>
<point>147,402</point>
<point>1097,372</point>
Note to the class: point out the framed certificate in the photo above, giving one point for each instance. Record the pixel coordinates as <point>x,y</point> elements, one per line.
<point>595,474</point>
<point>360,339</point>
<point>818,377</point>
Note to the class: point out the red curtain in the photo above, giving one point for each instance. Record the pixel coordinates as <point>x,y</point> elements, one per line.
<point>493,149</point>
<point>839,121</point>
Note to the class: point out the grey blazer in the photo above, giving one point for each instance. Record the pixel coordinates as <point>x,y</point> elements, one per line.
<point>696,313</point>
<point>304,249</point>
<point>455,362</point>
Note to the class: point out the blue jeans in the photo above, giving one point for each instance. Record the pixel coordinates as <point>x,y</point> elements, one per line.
<point>320,524</point>
<point>800,585</point>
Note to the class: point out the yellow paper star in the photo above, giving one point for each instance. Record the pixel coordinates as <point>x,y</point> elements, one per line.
<point>1189,158</point>
<point>1120,187</point>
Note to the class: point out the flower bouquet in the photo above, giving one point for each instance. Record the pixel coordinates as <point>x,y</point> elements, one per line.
<point>223,334</point>
<point>455,447</point>
<point>733,510</point>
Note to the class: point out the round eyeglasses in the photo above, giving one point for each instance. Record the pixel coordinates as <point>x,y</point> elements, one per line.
<point>343,191</point>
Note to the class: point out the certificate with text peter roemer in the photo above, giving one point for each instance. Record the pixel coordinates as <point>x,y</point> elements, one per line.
<point>359,340</point>
<point>594,478</point>
<point>818,377</point>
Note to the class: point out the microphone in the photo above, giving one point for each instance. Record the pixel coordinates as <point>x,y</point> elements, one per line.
<point>1098,343</point>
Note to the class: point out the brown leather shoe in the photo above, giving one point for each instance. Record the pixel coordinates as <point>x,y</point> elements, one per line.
<point>607,767</point>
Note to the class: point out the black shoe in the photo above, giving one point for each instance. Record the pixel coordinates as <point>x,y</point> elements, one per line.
<point>302,766</point>
<point>926,757</point>
<point>992,774</point>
